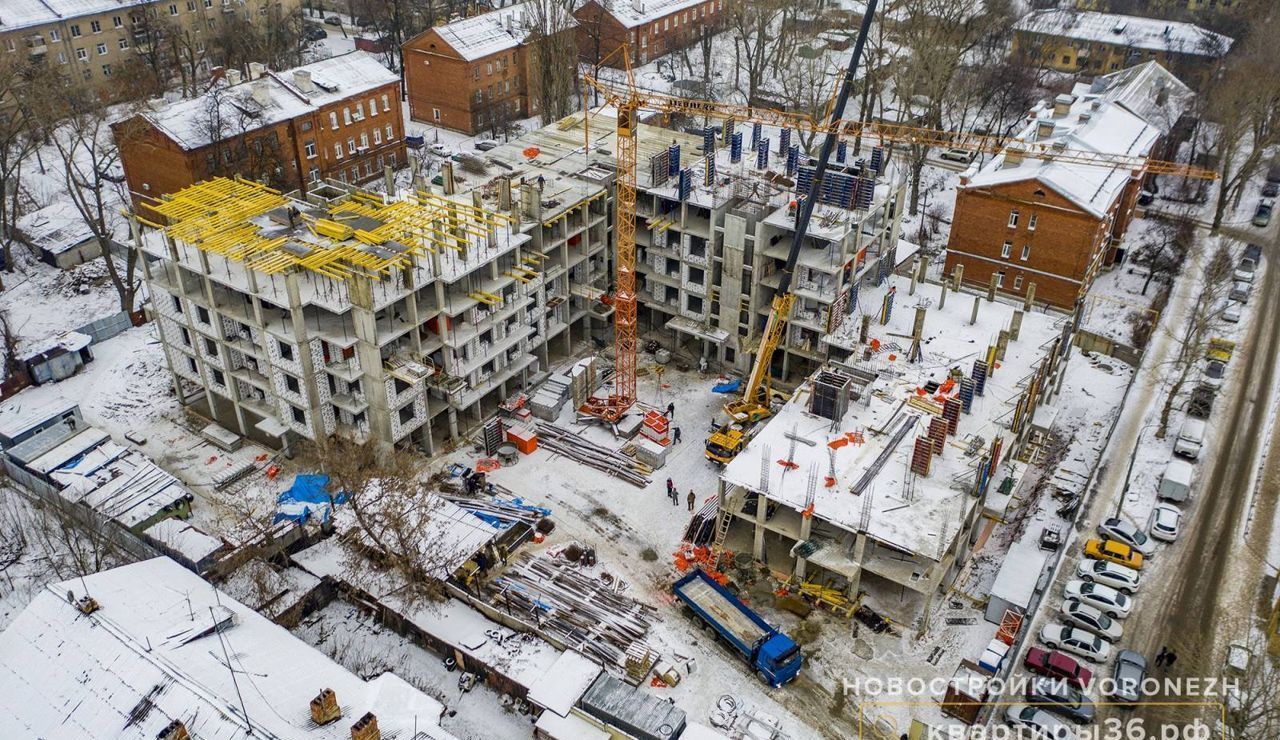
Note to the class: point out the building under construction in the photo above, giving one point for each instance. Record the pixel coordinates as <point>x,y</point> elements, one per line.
<point>878,469</point>
<point>411,318</point>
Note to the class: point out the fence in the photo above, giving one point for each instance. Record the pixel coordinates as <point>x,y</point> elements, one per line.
<point>105,328</point>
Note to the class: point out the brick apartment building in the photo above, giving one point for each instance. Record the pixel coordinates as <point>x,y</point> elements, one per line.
<point>474,74</point>
<point>1067,40</point>
<point>651,28</point>
<point>105,41</point>
<point>340,118</point>
<point>1025,219</point>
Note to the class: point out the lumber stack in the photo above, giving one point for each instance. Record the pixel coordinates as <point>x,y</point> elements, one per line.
<point>574,608</point>
<point>564,442</point>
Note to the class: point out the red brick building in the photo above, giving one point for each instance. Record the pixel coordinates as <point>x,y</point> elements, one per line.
<point>651,28</point>
<point>1029,219</point>
<point>474,74</point>
<point>340,119</point>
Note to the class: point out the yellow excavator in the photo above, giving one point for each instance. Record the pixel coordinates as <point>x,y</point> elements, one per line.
<point>754,406</point>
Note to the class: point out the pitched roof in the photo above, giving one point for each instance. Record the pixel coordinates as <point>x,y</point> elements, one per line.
<point>154,652</point>
<point>1148,91</point>
<point>1133,31</point>
<point>227,110</point>
<point>1093,124</point>
<point>500,30</point>
<point>15,14</point>
<point>633,13</point>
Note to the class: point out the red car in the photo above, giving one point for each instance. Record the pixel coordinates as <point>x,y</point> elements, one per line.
<point>1054,664</point>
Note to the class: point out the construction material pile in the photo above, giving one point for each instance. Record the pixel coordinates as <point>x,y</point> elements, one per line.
<point>564,442</point>
<point>585,613</point>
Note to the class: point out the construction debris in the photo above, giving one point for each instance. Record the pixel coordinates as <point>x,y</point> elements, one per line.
<point>564,442</point>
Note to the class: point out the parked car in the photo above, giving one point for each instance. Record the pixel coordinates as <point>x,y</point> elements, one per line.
<point>1108,600</point>
<point>1145,198</point>
<point>1127,676</point>
<point>1166,520</point>
<point>1240,292</point>
<point>1040,724</point>
<point>333,20</point>
<point>1116,552</point>
<point>1244,272</point>
<point>1115,528</point>
<point>440,150</point>
<point>1262,216</point>
<point>1079,614</point>
<point>1214,372</point>
<point>1253,252</point>
<point>1122,579</point>
<point>1271,190</point>
<point>1054,664</point>
<point>1059,698</point>
<point>1076,641</point>
<point>1233,312</point>
<point>485,145</point>
<point>963,156</point>
<point>1190,438</point>
<point>313,32</point>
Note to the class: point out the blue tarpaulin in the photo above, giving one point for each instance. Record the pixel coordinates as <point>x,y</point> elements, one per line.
<point>729,386</point>
<point>307,497</point>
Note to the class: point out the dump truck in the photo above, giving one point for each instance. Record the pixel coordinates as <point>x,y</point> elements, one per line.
<point>775,657</point>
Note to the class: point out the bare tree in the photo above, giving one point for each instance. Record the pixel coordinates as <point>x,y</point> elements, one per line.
<point>1253,708</point>
<point>239,142</point>
<point>90,163</point>
<point>1163,249</point>
<point>1215,281</point>
<point>806,82</point>
<point>19,138</point>
<point>1245,107</point>
<point>275,40</point>
<point>553,54</point>
<point>759,40</point>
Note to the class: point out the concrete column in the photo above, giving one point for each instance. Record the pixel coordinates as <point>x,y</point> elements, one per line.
<point>957,277</point>
<point>991,287</point>
<point>806,528</point>
<point>977,301</point>
<point>360,293</point>
<point>942,301</point>
<point>1015,326</point>
<point>1002,344</point>
<point>1029,301</point>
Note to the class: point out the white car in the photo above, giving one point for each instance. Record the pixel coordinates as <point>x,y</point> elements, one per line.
<point>1075,640</point>
<point>1080,614</point>
<point>1043,726</point>
<point>1110,601</point>
<point>1166,520</point>
<point>1214,372</point>
<point>1122,531</point>
<point>1232,313</point>
<point>440,150</point>
<point>1244,273</point>
<point>1110,574</point>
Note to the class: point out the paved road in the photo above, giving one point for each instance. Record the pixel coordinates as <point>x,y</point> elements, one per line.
<point>1208,582</point>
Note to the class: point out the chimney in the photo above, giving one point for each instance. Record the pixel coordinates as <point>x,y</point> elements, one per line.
<point>1085,116</point>
<point>233,76</point>
<point>175,730</point>
<point>1062,105</point>
<point>1044,129</point>
<point>637,5</point>
<point>1013,155</point>
<point>260,93</point>
<point>366,728</point>
<point>302,81</point>
<point>324,708</point>
<point>256,69</point>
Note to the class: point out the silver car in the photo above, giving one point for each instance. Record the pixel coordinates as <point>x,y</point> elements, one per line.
<point>1076,641</point>
<point>1080,614</point>
<point>1111,574</point>
<point>1130,670</point>
<point>1123,531</point>
<point>1110,601</point>
<point>1039,722</point>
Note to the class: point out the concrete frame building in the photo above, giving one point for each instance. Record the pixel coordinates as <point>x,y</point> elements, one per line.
<point>879,468</point>
<point>102,38</point>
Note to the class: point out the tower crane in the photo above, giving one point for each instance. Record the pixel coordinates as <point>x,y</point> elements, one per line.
<point>753,405</point>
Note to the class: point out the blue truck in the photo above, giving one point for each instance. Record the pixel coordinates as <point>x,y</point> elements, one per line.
<point>774,656</point>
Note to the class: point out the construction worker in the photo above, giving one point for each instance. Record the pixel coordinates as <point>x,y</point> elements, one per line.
<point>676,434</point>
<point>691,499</point>
<point>702,365</point>
<point>671,410</point>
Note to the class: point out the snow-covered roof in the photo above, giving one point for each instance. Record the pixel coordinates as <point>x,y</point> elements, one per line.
<point>20,414</point>
<point>119,483</point>
<point>15,14</point>
<point>1091,124</point>
<point>919,515</point>
<point>564,682</point>
<point>633,13</point>
<point>228,110</point>
<point>1019,573</point>
<point>1128,30</point>
<point>499,30</point>
<point>154,651</point>
<point>1147,90</point>
<point>185,539</point>
<point>55,228</point>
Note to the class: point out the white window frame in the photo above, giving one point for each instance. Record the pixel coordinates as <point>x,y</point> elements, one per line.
<point>333,120</point>
<point>390,133</point>
<point>373,107</point>
<point>351,146</point>
<point>346,116</point>
<point>386,104</point>
<point>1006,251</point>
<point>1017,282</point>
<point>1031,222</point>
<point>377,136</point>
<point>1000,279</point>
<point>1026,252</point>
<point>337,150</point>
<point>1013,218</point>
<point>310,149</point>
